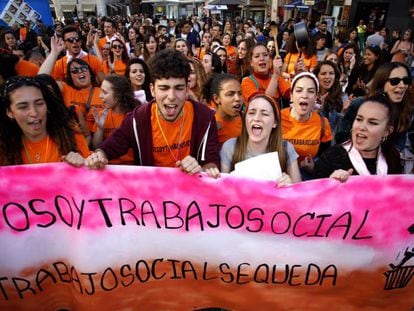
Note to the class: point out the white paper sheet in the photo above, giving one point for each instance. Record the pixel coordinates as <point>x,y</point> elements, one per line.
<point>264,167</point>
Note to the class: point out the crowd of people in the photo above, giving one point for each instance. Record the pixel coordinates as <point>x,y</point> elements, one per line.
<point>204,95</point>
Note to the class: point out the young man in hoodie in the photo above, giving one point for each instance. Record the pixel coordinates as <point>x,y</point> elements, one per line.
<point>170,131</point>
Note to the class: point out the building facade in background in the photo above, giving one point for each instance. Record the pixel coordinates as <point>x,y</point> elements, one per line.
<point>346,13</point>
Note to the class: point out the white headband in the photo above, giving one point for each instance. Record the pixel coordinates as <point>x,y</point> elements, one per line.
<point>306,74</point>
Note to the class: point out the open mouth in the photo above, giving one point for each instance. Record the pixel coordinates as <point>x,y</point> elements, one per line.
<point>360,138</point>
<point>36,125</point>
<point>170,110</point>
<point>82,78</point>
<point>304,105</point>
<point>256,129</point>
<point>237,108</point>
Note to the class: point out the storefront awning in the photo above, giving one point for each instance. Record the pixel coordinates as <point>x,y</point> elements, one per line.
<point>216,7</point>
<point>67,7</point>
<point>88,7</point>
<point>227,2</point>
<point>300,4</point>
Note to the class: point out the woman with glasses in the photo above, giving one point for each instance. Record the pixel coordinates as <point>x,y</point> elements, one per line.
<point>80,89</point>
<point>394,81</point>
<point>72,44</point>
<point>370,149</point>
<point>117,59</point>
<point>36,126</point>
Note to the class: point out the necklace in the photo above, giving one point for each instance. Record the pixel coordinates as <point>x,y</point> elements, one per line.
<point>37,154</point>
<point>165,138</point>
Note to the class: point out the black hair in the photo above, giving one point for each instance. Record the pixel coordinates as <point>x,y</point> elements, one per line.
<point>147,79</point>
<point>112,22</point>
<point>67,29</point>
<point>167,64</point>
<point>59,125</point>
<point>387,145</point>
<point>68,78</point>
<point>8,63</point>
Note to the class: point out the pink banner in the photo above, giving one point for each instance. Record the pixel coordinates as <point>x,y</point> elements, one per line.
<point>156,238</point>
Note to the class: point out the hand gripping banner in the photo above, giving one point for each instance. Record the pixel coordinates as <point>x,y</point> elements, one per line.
<point>139,238</point>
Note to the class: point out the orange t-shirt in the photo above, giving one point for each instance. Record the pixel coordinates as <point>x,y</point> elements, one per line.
<point>79,99</point>
<point>112,122</point>
<point>171,141</point>
<point>26,69</point>
<point>60,69</point>
<point>104,40</point>
<point>200,53</point>
<point>291,59</point>
<point>119,67</point>
<point>305,136</point>
<point>46,150</point>
<point>231,59</point>
<point>227,129</point>
<point>249,87</point>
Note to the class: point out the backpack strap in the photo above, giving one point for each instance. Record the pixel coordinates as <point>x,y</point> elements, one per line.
<point>253,78</point>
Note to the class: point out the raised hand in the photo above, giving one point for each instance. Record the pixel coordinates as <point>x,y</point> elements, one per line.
<point>100,118</point>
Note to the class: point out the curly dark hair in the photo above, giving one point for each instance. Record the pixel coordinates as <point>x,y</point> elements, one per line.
<point>169,64</point>
<point>123,93</point>
<point>59,125</point>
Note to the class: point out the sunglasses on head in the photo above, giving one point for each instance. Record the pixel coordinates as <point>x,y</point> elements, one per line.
<point>73,40</point>
<point>396,81</point>
<point>76,70</point>
<point>117,46</point>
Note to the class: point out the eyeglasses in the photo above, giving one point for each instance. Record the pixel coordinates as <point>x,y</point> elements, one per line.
<point>76,70</point>
<point>73,40</point>
<point>116,46</point>
<point>396,81</point>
